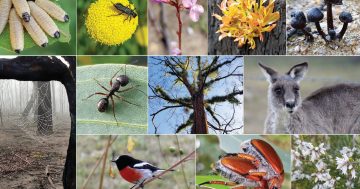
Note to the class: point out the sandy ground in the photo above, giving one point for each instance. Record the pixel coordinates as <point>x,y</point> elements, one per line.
<point>24,157</point>
<point>194,39</point>
<point>350,45</point>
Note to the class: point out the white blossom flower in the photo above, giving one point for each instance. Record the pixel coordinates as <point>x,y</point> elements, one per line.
<point>353,174</point>
<point>342,164</point>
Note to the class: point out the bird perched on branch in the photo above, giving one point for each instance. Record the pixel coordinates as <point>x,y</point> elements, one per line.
<point>136,171</point>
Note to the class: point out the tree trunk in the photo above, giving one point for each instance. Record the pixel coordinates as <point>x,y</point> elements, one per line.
<point>2,124</point>
<point>31,102</point>
<point>200,121</point>
<point>43,68</point>
<point>44,109</point>
<point>274,42</point>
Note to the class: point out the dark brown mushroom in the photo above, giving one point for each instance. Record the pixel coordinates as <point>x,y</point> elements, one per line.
<point>330,23</point>
<point>346,18</point>
<point>298,21</point>
<point>315,15</point>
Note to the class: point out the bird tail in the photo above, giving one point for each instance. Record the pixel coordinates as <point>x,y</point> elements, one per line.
<point>159,171</point>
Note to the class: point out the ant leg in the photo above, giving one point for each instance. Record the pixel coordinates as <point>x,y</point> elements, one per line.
<point>113,77</point>
<point>123,99</point>
<point>95,94</point>
<point>131,88</point>
<point>101,85</point>
<point>113,108</point>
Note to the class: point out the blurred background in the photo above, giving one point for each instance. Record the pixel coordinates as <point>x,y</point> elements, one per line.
<point>194,34</point>
<point>92,60</point>
<point>57,48</point>
<point>210,147</point>
<point>161,151</point>
<point>136,45</point>
<point>322,71</point>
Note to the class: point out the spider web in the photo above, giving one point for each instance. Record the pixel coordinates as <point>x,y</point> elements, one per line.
<point>21,101</point>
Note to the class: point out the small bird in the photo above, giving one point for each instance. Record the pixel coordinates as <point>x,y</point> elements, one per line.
<point>136,171</point>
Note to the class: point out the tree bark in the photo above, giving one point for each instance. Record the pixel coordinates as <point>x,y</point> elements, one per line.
<point>43,68</point>
<point>44,110</point>
<point>200,121</point>
<point>274,42</point>
<point>31,102</point>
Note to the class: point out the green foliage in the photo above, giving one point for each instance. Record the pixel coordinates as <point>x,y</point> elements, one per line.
<point>131,118</point>
<point>86,45</point>
<point>55,46</point>
<point>202,179</point>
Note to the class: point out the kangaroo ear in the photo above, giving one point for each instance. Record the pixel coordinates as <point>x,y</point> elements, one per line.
<point>298,72</point>
<point>270,74</point>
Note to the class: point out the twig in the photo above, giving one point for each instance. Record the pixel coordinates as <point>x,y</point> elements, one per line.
<point>23,159</point>
<point>49,177</point>
<point>169,169</point>
<point>96,165</point>
<point>182,165</point>
<point>104,163</point>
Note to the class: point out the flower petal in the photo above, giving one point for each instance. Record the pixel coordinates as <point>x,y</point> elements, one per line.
<point>195,12</point>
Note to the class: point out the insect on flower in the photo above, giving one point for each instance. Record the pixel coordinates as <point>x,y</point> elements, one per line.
<point>259,166</point>
<point>124,10</point>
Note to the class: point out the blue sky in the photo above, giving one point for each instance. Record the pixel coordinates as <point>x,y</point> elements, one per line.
<point>169,120</point>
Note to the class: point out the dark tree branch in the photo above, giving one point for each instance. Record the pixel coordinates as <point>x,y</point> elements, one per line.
<point>229,97</point>
<point>186,124</point>
<point>43,68</point>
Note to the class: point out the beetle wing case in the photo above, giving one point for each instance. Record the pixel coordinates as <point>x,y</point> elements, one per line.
<point>237,170</point>
<point>268,152</point>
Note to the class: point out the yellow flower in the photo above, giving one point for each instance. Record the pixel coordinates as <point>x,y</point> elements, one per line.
<point>245,20</point>
<point>105,24</point>
<point>142,36</point>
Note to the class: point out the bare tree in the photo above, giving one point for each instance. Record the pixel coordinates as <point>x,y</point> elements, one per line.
<point>43,68</point>
<point>192,89</point>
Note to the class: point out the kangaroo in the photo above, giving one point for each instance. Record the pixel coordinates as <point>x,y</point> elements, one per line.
<point>329,110</point>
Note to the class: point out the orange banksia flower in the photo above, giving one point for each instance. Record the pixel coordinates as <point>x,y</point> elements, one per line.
<point>245,20</point>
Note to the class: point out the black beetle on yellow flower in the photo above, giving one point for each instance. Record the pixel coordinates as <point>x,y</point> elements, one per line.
<point>111,22</point>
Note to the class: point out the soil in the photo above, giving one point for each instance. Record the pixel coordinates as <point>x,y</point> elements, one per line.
<point>24,157</point>
<point>349,45</point>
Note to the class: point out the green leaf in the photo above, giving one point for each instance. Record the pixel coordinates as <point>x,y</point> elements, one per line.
<point>204,178</point>
<point>131,118</point>
<point>64,28</point>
